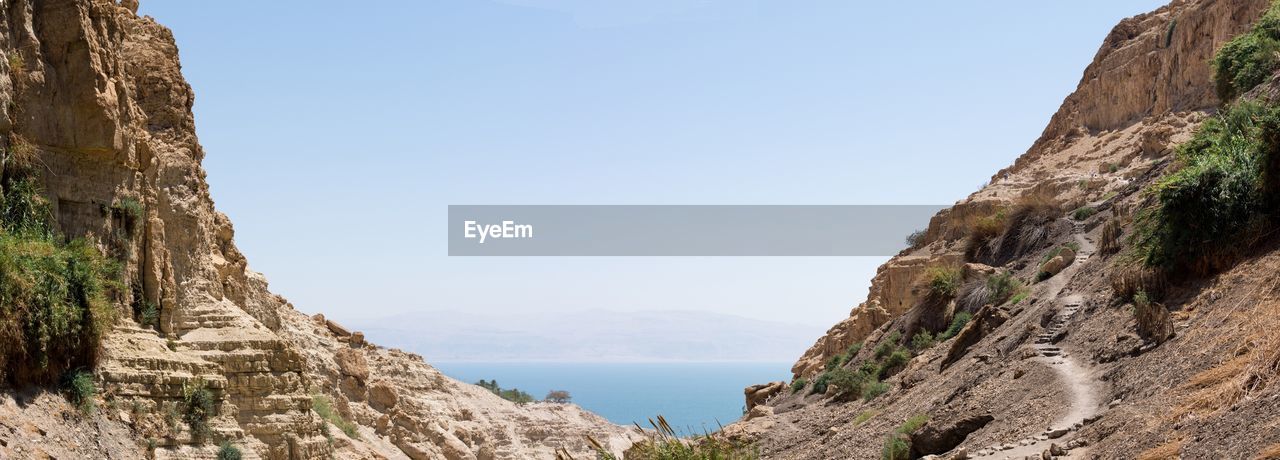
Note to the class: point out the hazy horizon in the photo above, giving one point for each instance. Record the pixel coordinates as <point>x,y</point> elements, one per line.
<point>337,136</point>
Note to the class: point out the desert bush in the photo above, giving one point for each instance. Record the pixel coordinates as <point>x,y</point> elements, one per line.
<point>80,390</point>
<point>799,384</point>
<point>1083,212</point>
<point>888,344</point>
<point>916,239</point>
<point>848,382</point>
<point>836,361</point>
<point>1213,205</point>
<point>228,451</point>
<point>150,315</point>
<point>922,341</point>
<point>1200,214</point>
<point>853,350</point>
<point>1248,59</point>
<point>863,417</point>
<point>943,282</point>
<point>197,408</point>
<point>898,445</point>
<point>894,362</point>
<point>558,396</point>
<point>323,407</point>
<point>995,289</point>
<point>56,306</point>
<point>23,211</point>
<point>873,390</point>
<point>820,383</point>
<point>664,443</point>
<point>1109,241</point>
<point>1154,324</point>
<point>1022,227</point>
<point>957,324</point>
<point>514,395</point>
<point>131,212</point>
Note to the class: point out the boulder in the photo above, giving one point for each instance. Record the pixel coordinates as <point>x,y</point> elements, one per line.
<point>935,438</point>
<point>758,394</point>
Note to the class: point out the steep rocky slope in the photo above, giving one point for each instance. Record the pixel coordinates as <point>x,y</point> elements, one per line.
<point>96,94</point>
<point>1067,366</point>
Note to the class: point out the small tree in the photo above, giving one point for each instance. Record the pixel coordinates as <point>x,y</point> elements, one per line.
<point>558,396</point>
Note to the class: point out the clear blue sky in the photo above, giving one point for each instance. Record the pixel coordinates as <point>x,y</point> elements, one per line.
<point>338,132</point>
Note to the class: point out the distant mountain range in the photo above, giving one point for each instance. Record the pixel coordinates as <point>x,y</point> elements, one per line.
<point>589,336</point>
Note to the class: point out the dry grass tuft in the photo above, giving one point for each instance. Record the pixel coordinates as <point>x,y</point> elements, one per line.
<point>1255,362</point>
<point>1109,242</point>
<point>1128,279</point>
<point>1272,452</point>
<point>1166,451</point>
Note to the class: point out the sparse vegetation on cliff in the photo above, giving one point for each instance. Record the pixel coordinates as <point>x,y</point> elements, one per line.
<point>510,394</point>
<point>898,445</point>
<point>1249,59</point>
<point>323,406</point>
<point>56,294</point>
<point>664,443</point>
<point>1215,202</point>
<point>197,407</point>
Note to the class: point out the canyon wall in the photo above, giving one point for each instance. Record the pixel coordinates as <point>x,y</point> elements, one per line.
<point>98,93</point>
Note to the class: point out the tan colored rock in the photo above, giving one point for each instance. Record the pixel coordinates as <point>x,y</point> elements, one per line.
<point>102,97</point>
<point>1054,266</point>
<point>758,394</point>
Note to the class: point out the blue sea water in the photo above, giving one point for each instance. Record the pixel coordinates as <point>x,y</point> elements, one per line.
<point>692,396</point>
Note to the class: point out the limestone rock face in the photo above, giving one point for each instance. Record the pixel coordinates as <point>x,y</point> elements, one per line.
<point>1140,95</point>
<point>98,92</point>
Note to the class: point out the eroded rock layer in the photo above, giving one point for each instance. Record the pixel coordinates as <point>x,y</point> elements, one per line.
<point>97,92</point>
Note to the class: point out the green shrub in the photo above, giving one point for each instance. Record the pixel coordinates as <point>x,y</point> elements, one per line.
<point>887,345</point>
<point>1017,298</point>
<point>922,341</point>
<point>957,324</point>
<point>896,447</point>
<point>56,306</point>
<point>820,383</point>
<point>228,451</point>
<point>80,390</point>
<point>851,383</point>
<point>898,444</point>
<point>1248,59</point>
<point>1083,212</point>
<point>23,211</point>
<point>863,417</point>
<point>799,384</point>
<point>873,390</point>
<point>870,368</point>
<point>663,443</point>
<point>510,394</point>
<point>836,361</point>
<point>943,281</point>
<point>197,408</point>
<point>1002,285</point>
<point>150,315</point>
<point>894,362</point>
<point>323,406</point>
<point>916,239</point>
<point>853,350</point>
<point>1215,198</point>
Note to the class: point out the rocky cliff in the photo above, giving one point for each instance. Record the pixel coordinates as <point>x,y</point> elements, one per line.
<point>1036,263</point>
<point>96,94</point>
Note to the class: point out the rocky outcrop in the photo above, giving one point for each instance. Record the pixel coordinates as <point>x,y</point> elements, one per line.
<point>1138,96</point>
<point>1070,343</point>
<point>98,93</point>
<point>894,290</point>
